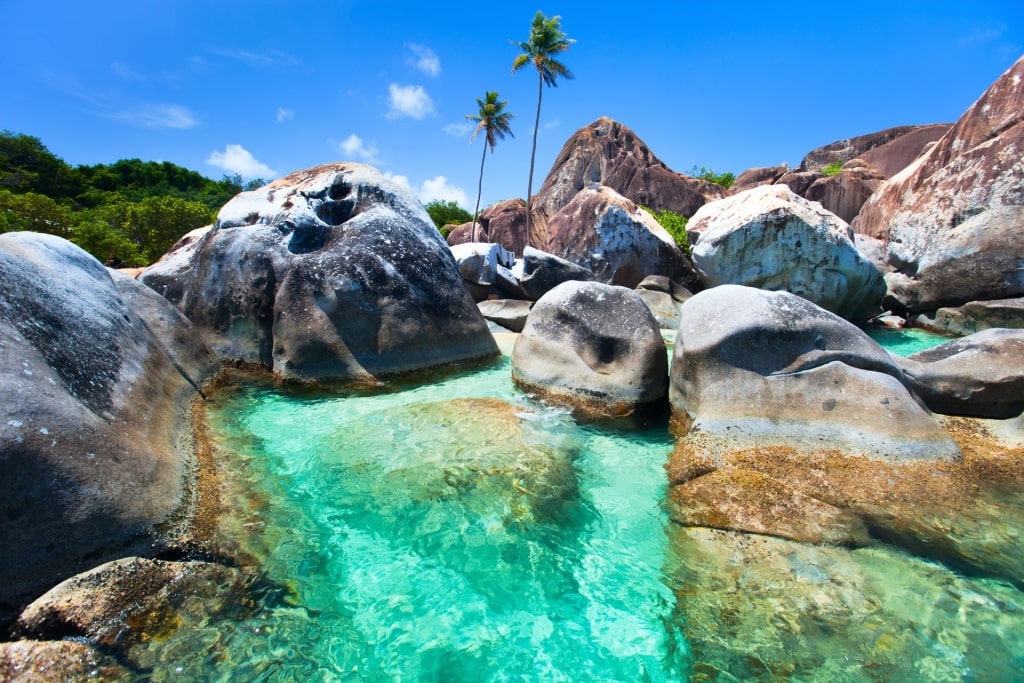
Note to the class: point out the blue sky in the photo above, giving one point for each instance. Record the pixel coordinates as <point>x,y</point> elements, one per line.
<point>266,88</point>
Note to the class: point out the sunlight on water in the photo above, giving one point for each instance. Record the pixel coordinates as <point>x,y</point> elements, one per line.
<point>453,529</point>
<point>904,342</point>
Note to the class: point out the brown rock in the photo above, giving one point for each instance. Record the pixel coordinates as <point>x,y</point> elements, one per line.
<point>798,182</point>
<point>746,500</point>
<point>609,153</point>
<point>865,146</point>
<point>845,193</point>
<point>503,223</point>
<point>31,661</point>
<point>953,220</point>
<point>608,234</point>
<point>761,175</point>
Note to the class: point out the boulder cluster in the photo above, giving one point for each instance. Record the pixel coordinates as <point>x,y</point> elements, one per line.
<point>790,420</point>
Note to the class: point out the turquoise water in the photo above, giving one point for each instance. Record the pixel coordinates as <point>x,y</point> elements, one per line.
<point>906,341</point>
<point>451,528</point>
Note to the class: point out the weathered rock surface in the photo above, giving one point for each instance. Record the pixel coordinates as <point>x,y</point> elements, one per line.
<point>503,223</point>
<point>32,661</point>
<point>755,177</point>
<point>981,375</point>
<point>538,272</point>
<point>755,369</point>
<point>126,601</point>
<point>333,272</point>
<point>594,347</point>
<point>953,220</point>
<point>890,150</point>
<point>94,454</point>
<point>612,237</point>
<point>845,193</point>
<point>977,316</point>
<point>608,153</point>
<point>509,313</point>
<point>770,238</point>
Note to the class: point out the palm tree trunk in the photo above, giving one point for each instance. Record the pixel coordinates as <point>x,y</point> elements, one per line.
<point>479,191</point>
<point>533,154</point>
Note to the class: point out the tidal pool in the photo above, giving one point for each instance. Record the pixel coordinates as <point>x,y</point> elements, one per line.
<point>451,528</point>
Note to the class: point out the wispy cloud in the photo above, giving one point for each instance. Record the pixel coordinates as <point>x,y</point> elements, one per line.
<point>237,159</point>
<point>424,59</point>
<point>458,130</point>
<point>127,73</point>
<point>409,100</point>
<point>272,59</point>
<point>355,147</point>
<point>284,114</point>
<point>157,116</point>
<point>980,35</point>
<point>551,124</point>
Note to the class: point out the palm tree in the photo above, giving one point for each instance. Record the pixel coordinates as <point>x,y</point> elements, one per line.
<point>546,42</point>
<point>494,121</point>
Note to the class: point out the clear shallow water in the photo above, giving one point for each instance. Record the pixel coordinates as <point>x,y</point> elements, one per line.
<point>455,530</point>
<point>904,342</point>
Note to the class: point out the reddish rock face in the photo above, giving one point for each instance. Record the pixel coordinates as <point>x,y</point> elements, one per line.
<point>845,193</point>
<point>761,175</point>
<point>608,153</point>
<point>888,150</point>
<point>953,219</point>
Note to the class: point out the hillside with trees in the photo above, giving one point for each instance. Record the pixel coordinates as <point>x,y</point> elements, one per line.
<point>127,213</point>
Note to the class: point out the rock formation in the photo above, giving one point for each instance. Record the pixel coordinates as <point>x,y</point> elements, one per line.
<point>890,150</point>
<point>608,153</point>
<point>98,374</point>
<point>953,220</point>
<point>845,193</point>
<point>770,238</point>
<point>329,273</point>
<point>612,237</point>
<point>594,347</point>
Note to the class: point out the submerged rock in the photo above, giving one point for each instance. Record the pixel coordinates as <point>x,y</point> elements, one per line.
<point>770,238</point>
<point>32,661</point>
<point>594,347</point>
<point>96,379</point>
<point>333,272</point>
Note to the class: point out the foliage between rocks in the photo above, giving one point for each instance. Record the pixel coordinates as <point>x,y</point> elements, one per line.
<point>447,214</point>
<point>832,169</point>
<point>704,173</point>
<point>674,225</point>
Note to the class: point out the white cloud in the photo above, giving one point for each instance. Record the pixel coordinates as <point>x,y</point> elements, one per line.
<point>409,100</point>
<point>551,124</point>
<point>354,146</point>
<point>158,116</point>
<point>438,188</point>
<point>458,130</point>
<point>426,60</point>
<point>284,114</point>
<point>980,35</point>
<point>435,188</point>
<point>237,159</point>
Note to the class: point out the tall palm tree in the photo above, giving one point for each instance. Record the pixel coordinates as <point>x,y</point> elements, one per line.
<point>494,122</point>
<point>546,42</point>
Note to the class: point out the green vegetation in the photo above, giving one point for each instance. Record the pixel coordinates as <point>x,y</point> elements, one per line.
<point>674,225</point>
<point>704,173</point>
<point>126,213</point>
<point>495,122</point>
<point>832,169</point>
<point>447,214</point>
<point>546,42</point>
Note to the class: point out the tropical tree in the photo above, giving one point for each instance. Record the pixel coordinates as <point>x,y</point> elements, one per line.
<point>495,123</point>
<point>546,42</point>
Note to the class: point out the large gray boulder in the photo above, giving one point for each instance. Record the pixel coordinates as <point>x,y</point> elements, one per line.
<point>954,219</point>
<point>754,369</point>
<point>976,316</point>
<point>594,347</point>
<point>981,375</point>
<point>95,387</point>
<point>333,272</point>
<point>770,238</point>
<point>796,424</point>
<point>614,238</point>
